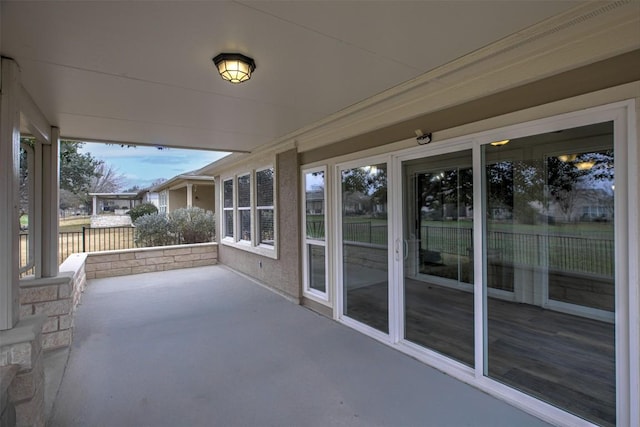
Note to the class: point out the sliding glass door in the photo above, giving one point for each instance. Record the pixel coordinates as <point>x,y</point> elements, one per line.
<point>438,254</point>
<point>498,261</point>
<point>550,234</point>
<point>364,252</point>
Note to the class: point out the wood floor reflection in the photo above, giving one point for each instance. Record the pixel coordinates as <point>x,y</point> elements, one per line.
<point>565,360</point>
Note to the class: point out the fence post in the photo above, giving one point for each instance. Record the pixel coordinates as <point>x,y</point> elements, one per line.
<point>83,233</point>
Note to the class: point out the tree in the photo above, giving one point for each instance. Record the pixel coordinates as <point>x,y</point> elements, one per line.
<point>76,169</point>
<point>106,179</point>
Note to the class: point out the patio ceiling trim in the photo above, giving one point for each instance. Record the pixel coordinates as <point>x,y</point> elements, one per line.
<point>602,75</point>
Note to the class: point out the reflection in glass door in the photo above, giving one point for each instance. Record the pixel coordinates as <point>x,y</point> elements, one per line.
<point>365,278</point>
<point>438,266</point>
<point>549,217</point>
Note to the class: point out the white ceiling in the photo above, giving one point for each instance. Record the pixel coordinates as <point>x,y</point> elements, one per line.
<point>141,72</point>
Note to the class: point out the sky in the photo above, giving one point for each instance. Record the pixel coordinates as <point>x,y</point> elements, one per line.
<point>142,165</point>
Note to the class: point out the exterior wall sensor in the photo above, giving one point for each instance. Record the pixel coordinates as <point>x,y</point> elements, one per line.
<point>422,138</point>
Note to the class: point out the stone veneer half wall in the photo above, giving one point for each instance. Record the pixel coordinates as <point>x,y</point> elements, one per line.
<point>147,260</point>
<point>57,298</point>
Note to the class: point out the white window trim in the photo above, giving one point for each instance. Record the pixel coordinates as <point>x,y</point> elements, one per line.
<point>250,245</point>
<point>308,292</point>
<point>223,222</point>
<point>271,207</point>
<point>237,209</point>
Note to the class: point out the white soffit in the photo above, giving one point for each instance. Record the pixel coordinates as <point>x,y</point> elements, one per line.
<point>141,72</point>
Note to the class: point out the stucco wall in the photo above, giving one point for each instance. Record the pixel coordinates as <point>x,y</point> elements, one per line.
<point>177,199</point>
<point>282,274</point>
<point>203,197</point>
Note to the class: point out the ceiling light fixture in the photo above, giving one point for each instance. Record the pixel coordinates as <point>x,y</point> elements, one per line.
<point>234,67</point>
<point>586,165</point>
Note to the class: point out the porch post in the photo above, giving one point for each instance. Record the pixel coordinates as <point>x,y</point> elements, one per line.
<point>9,173</point>
<point>95,206</point>
<point>50,204</point>
<point>189,195</point>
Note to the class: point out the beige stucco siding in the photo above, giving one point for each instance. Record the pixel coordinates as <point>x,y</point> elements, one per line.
<point>177,199</point>
<point>203,197</point>
<point>282,274</point>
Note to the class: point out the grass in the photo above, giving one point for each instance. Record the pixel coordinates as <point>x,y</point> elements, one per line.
<point>74,223</point>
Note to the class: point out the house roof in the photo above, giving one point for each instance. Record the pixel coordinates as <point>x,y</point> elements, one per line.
<point>116,196</point>
<point>182,180</point>
<point>142,72</point>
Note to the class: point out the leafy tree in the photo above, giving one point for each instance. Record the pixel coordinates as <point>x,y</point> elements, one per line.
<point>76,169</point>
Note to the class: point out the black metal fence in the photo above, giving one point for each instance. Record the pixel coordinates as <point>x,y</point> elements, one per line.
<point>591,254</point>
<point>87,240</point>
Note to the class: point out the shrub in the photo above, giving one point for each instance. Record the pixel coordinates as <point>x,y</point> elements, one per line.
<point>153,230</point>
<point>193,225</point>
<point>141,210</point>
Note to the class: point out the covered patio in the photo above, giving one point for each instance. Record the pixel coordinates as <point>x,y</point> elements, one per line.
<point>385,98</point>
<point>206,346</point>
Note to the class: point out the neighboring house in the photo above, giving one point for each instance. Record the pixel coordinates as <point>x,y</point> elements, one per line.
<point>185,190</point>
<point>315,202</point>
<point>148,196</point>
<point>117,204</point>
<point>543,316</point>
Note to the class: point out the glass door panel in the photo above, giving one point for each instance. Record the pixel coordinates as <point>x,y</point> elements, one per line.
<point>365,262</point>
<point>314,241</point>
<point>438,273</point>
<point>549,233</point>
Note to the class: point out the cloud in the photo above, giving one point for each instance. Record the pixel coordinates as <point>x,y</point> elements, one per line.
<point>143,165</point>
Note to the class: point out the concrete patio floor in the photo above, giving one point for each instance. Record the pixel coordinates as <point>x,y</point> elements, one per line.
<point>208,347</point>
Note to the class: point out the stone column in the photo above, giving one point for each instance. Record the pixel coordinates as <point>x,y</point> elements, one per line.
<point>21,348</point>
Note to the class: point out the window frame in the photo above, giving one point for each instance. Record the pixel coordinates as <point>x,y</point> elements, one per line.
<point>239,209</point>
<point>308,292</point>
<point>223,219</point>
<point>251,245</point>
<point>163,198</point>
<point>259,208</point>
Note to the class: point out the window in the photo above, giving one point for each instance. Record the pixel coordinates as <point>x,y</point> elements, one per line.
<point>162,202</point>
<point>249,212</point>
<point>314,242</point>
<point>227,209</point>
<point>27,206</point>
<point>550,288</point>
<point>244,207</point>
<point>264,206</point>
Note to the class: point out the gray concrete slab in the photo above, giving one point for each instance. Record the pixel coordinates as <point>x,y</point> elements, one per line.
<point>207,347</point>
<point>55,362</point>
